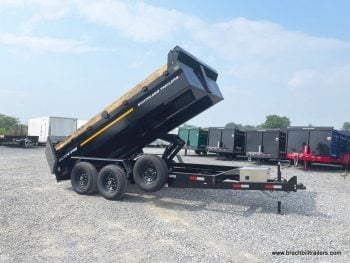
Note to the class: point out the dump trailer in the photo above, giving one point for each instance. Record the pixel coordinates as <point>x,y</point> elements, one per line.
<point>265,144</point>
<point>195,138</point>
<point>326,145</point>
<point>106,153</point>
<point>226,141</point>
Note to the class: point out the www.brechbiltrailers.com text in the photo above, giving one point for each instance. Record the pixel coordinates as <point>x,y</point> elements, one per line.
<point>306,253</point>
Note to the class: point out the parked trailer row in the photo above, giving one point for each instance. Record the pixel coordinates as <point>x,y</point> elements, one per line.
<point>106,153</point>
<point>300,144</point>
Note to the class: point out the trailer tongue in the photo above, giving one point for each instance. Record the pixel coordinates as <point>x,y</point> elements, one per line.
<point>106,152</point>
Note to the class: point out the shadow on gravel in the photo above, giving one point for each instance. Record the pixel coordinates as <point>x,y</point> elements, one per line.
<point>244,203</point>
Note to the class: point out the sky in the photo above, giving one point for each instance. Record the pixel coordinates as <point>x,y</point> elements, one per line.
<point>73,58</point>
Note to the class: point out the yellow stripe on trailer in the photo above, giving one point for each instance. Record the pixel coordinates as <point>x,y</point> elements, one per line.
<point>107,126</point>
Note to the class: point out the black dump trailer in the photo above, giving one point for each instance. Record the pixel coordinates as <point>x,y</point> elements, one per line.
<point>226,141</point>
<point>318,145</point>
<point>265,144</point>
<point>106,153</point>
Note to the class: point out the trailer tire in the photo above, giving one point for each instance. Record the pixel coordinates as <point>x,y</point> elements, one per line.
<point>112,182</point>
<point>83,178</point>
<point>150,173</point>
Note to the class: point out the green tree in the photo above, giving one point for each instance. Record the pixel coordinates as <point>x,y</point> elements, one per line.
<point>275,121</point>
<point>11,126</point>
<point>346,126</point>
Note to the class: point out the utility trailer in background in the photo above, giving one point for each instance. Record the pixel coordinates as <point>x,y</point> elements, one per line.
<point>21,139</point>
<point>24,141</point>
<point>106,153</point>
<point>318,145</point>
<point>226,141</point>
<point>195,138</point>
<point>265,144</point>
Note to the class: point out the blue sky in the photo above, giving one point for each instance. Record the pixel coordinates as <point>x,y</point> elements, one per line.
<point>73,58</point>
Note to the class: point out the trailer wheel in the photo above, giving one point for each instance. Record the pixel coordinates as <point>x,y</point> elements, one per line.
<point>150,173</point>
<point>83,178</point>
<point>112,182</point>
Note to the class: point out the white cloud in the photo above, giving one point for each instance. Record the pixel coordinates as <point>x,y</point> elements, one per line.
<point>238,38</point>
<point>243,38</point>
<point>43,10</point>
<point>137,20</point>
<point>302,78</point>
<point>46,44</point>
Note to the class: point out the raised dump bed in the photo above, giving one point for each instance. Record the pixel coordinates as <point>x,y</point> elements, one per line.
<point>106,153</point>
<point>318,145</point>
<point>167,98</point>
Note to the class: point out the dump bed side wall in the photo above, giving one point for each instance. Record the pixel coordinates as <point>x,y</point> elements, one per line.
<point>271,142</point>
<point>183,134</point>
<point>296,140</point>
<point>214,137</point>
<point>253,140</point>
<point>113,106</point>
<point>320,142</point>
<point>228,139</point>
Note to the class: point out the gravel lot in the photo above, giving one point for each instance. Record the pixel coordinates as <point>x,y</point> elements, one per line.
<point>45,221</point>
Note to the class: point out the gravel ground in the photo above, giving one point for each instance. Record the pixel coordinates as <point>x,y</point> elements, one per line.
<point>45,221</point>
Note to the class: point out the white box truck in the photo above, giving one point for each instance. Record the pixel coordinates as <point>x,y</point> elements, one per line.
<point>55,127</point>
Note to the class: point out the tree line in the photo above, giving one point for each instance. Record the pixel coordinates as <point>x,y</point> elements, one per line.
<point>11,126</point>
<point>274,121</point>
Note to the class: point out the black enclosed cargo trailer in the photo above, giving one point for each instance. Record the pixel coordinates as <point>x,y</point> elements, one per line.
<point>106,153</point>
<point>226,141</point>
<point>265,144</point>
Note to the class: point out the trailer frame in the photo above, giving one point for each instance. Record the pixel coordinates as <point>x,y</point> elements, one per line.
<point>197,176</point>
